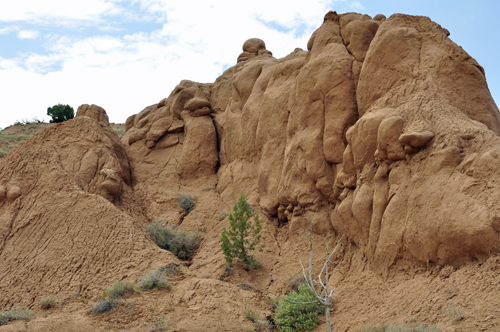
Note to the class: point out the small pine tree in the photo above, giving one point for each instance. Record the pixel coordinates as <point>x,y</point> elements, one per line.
<point>243,236</point>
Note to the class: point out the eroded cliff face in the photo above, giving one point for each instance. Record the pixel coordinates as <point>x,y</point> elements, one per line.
<point>383,130</point>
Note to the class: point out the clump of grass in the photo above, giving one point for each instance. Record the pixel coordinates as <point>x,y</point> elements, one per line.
<point>456,314</point>
<point>47,303</point>
<point>245,286</point>
<point>119,289</point>
<point>294,281</point>
<point>255,318</point>
<point>157,279</point>
<point>158,324</point>
<point>179,242</point>
<point>2,154</point>
<point>17,313</point>
<point>45,314</point>
<point>223,214</point>
<point>187,201</point>
<point>102,306</point>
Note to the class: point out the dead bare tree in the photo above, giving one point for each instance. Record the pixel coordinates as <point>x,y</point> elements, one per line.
<point>325,297</point>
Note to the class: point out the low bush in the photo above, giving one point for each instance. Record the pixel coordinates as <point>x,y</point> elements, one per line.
<point>17,313</point>
<point>297,317</point>
<point>179,242</point>
<point>102,306</point>
<point>47,303</point>
<point>157,279</point>
<point>187,201</point>
<point>119,289</point>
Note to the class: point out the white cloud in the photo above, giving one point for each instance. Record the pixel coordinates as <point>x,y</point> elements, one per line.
<point>56,11</point>
<point>8,29</point>
<point>124,74</point>
<point>27,34</point>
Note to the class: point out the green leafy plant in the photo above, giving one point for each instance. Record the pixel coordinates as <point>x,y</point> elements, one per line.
<point>187,201</point>
<point>243,236</point>
<point>297,317</point>
<point>157,279</point>
<point>16,313</point>
<point>179,242</point>
<point>60,113</point>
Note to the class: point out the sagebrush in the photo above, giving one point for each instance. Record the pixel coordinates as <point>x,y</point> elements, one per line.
<point>119,289</point>
<point>16,313</point>
<point>187,201</point>
<point>157,279</point>
<point>179,242</point>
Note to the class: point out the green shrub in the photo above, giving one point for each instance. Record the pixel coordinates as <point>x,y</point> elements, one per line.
<point>2,154</point>
<point>187,201</point>
<point>102,306</point>
<point>243,236</point>
<point>119,289</point>
<point>157,279</point>
<point>179,242</point>
<point>47,303</point>
<point>60,113</point>
<point>417,327</point>
<point>297,317</point>
<point>17,313</point>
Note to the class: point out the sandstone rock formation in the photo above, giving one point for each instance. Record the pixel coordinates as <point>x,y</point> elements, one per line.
<point>384,130</point>
<point>381,129</point>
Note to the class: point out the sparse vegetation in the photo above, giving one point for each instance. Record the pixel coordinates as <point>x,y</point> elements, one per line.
<point>243,236</point>
<point>157,279</point>
<point>47,303</point>
<point>223,214</point>
<point>45,314</point>
<point>255,318</point>
<point>294,281</point>
<point>297,317</point>
<point>102,306</point>
<point>158,324</point>
<point>455,313</point>
<point>417,327</point>
<point>179,242</point>
<point>16,313</point>
<point>2,154</point>
<point>187,201</point>
<point>245,286</point>
<point>120,132</point>
<point>119,289</point>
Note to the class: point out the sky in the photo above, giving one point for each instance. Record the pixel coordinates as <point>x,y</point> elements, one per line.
<point>124,55</point>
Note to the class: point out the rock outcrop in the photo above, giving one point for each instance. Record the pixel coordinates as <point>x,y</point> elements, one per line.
<point>384,130</point>
<point>68,217</point>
